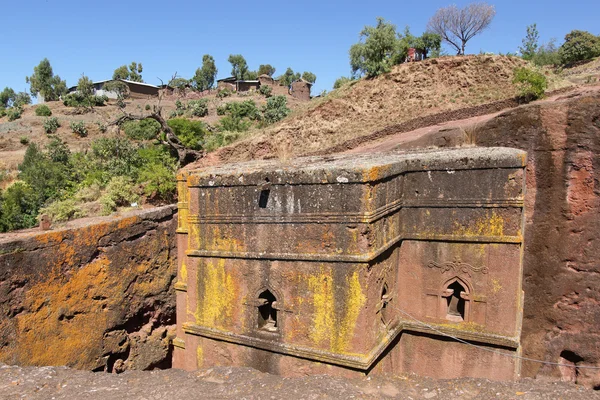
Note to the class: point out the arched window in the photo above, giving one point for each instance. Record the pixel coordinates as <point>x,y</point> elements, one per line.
<point>267,312</point>
<point>456,301</point>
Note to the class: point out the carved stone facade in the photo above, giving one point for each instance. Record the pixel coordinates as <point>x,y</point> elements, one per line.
<point>354,265</point>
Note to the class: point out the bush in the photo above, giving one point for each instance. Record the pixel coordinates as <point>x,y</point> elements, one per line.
<point>14,113</point>
<point>24,140</point>
<point>146,129</point>
<point>191,133</point>
<point>531,84</point>
<point>79,128</point>
<point>341,81</point>
<point>109,157</point>
<point>2,112</point>
<point>18,207</point>
<point>120,191</point>
<point>198,108</point>
<point>224,93</point>
<point>547,54</point>
<point>63,210</point>
<point>266,90</point>
<point>240,109</point>
<point>276,109</point>
<point>51,125</point>
<point>579,46</point>
<point>43,111</point>
<point>101,126</point>
<point>147,107</point>
<point>233,124</point>
<point>78,100</point>
<point>218,139</point>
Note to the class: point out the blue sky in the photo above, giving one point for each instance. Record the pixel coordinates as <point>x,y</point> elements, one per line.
<point>95,37</point>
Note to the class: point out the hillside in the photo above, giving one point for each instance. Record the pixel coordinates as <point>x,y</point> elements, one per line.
<point>410,91</point>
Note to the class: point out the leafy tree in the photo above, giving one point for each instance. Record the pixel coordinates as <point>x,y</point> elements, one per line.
<point>133,72</point>
<point>429,44</point>
<point>7,96</point>
<point>530,43</point>
<point>288,77</point>
<point>579,46</point>
<point>266,69</point>
<point>21,99</point>
<point>178,83</point>
<point>457,26</point>
<point>309,77</point>
<point>120,88</point>
<point>251,75</point>
<point>145,129</point>
<point>44,82</point>
<point>375,51</point>
<point>204,78</point>
<point>48,178</point>
<point>547,54</point>
<point>191,133</point>
<point>239,67</point>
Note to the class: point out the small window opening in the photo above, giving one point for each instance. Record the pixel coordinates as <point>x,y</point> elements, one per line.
<point>267,314</point>
<point>456,304</point>
<point>264,198</point>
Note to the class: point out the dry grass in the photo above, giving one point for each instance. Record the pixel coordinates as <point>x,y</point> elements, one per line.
<point>365,106</point>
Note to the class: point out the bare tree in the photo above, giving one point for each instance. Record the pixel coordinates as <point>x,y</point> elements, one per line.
<point>185,155</point>
<point>458,25</point>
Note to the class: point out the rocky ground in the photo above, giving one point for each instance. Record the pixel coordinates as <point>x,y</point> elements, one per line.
<point>246,383</point>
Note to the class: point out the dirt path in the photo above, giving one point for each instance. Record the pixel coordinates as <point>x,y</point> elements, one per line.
<point>246,383</point>
<point>395,140</point>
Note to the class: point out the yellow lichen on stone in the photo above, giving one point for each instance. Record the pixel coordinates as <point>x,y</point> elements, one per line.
<point>496,286</point>
<point>199,356</point>
<point>215,306</point>
<point>492,226</point>
<point>321,287</point>
<point>354,302</point>
<point>334,321</point>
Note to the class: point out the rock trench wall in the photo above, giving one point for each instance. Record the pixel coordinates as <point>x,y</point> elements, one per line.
<point>97,295</point>
<point>562,234</point>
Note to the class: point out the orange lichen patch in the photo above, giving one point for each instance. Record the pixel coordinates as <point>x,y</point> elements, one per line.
<point>68,318</point>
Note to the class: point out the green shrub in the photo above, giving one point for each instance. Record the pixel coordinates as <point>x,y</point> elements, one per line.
<point>51,125</point>
<point>233,124</point>
<point>531,84</point>
<point>266,90</point>
<point>63,210</point>
<point>79,128</point>
<point>14,113</point>
<point>78,100</point>
<point>146,129</point>
<point>215,140</point>
<point>101,126</point>
<point>341,81</point>
<point>191,133</point>
<point>198,108</point>
<point>43,111</point>
<point>240,109</point>
<point>275,109</point>
<point>18,207</point>
<point>120,191</point>
<point>147,107</point>
<point>2,112</point>
<point>109,157</point>
<point>49,174</point>
<point>224,93</point>
<point>24,140</point>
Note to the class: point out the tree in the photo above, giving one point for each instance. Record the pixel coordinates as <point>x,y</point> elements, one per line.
<point>429,44</point>
<point>239,67</point>
<point>44,82</point>
<point>457,26</point>
<point>309,77</point>
<point>204,78</point>
<point>375,51</point>
<point>530,43</point>
<point>7,97</point>
<point>288,77</point>
<point>85,87</point>
<point>266,69</point>
<point>131,73</point>
<point>579,46</point>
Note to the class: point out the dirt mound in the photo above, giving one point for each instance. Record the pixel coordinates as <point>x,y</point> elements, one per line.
<point>408,92</point>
